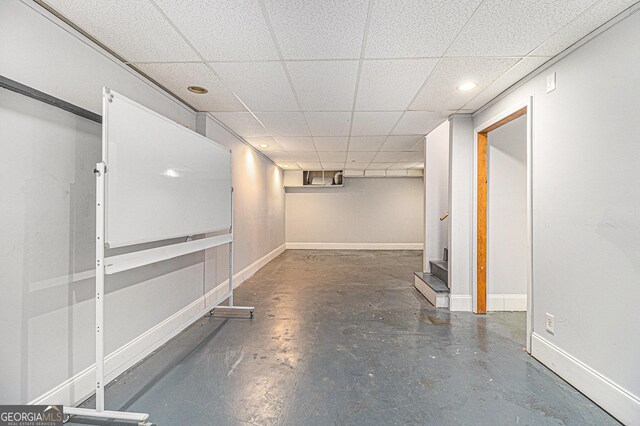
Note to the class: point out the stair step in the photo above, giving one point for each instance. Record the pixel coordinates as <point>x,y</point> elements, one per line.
<point>440,269</point>
<point>432,281</point>
<point>434,289</point>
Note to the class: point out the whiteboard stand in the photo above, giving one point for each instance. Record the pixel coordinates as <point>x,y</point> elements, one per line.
<point>231,306</point>
<point>99,411</point>
<point>194,156</point>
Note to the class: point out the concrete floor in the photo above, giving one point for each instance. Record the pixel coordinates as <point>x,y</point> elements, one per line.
<point>342,337</point>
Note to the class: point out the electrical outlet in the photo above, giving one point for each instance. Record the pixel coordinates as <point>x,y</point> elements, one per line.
<point>551,82</point>
<point>549,323</point>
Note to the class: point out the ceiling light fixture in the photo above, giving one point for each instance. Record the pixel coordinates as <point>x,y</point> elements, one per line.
<point>263,145</point>
<point>285,166</point>
<point>467,85</point>
<point>197,90</point>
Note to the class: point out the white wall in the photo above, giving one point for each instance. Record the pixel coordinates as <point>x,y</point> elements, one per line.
<point>586,210</point>
<point>507,217</point>
<point>436,193</point>
<point>48,190</point>
<point>42,52</point>
<point>365,213</point>
<point>460,210</point>
<point>259,226</point>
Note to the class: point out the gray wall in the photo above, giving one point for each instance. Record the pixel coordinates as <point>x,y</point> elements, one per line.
<point>586,210</point>
<point>436,190</point>
<point>259,201</point>
<point>460,211</point>
<point>365,210</point>
<point>507,210</point>
<point>47,187</point>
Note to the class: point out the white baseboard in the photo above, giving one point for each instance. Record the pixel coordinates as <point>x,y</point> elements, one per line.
<point>355,246</point>
<point>82,385</point>
<point>506,302</point>
<point>619,402</point>
<point>460,303</point>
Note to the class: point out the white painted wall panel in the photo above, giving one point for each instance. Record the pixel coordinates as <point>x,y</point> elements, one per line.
<point>436,172</point>
<point>460,209</point>
<point>50,57</point>
<point>365,210</point>
<point>507,210</point>
<point>586,204</point>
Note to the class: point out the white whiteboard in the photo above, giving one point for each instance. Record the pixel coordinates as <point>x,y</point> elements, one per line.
<point>163,180</point>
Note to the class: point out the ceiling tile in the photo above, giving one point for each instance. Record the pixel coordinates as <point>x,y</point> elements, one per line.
<point>222,30</point>
<point>257,141</point>
<point>440,92</point>
<point>284,123</point>
<point>331,143</point>
<point>419,147</point>
<point>402,166</point>
<point>360,156</point>
<point>332,166</point>
<point>293,156</point>
<point>299,143</point>
<point>310,165</point>
<point>419,122</point>
<point>334,156</point>
<point>329,123</point>
<point>374,123</point>
<point>288,165</point>
<point>401,143</point>
<point>324,29</point>
<point>281,156</point>
<point>514,28</point>
<point>116,23</point>
<point>415,28</point>
<point>366,143</point>
<point>388,157</point>
<point>506,80</point>
<point>391,84</point>
<point>178,76</point>
<point>324,85</point>
<point>243,123</point>
<point>379,166</point>
<point>356,166</point>
<point>413,156</point>
<point>263,86</point>
<point>594,17</point>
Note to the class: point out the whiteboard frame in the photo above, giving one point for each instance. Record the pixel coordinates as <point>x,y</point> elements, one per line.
<point>108,96</point>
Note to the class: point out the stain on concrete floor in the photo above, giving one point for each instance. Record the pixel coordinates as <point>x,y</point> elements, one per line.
<point>342,337</point>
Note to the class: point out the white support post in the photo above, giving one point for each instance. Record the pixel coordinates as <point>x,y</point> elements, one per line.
<point>100,171</point>
<point>99,411</point>
<point>231,256</point>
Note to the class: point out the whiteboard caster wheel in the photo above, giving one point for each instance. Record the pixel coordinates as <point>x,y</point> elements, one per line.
<point>211,312</point>
<point>66,418</point>
<point>251,314</point>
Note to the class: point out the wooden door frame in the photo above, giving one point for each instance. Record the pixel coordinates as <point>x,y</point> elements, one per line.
<point>480,207</point>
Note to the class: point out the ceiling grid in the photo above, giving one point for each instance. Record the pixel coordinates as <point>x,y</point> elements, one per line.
<point>349,84</point>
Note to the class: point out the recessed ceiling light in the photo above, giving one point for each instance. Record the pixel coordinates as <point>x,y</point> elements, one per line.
<point>467,85</point>
<point>197,90</point>
<point>285,166</point>
<point>263,145</point>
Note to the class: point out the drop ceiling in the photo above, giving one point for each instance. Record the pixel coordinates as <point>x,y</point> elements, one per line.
<point>338,84</point>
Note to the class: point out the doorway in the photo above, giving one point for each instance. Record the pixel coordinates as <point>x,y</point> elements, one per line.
<point>502,214</point>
